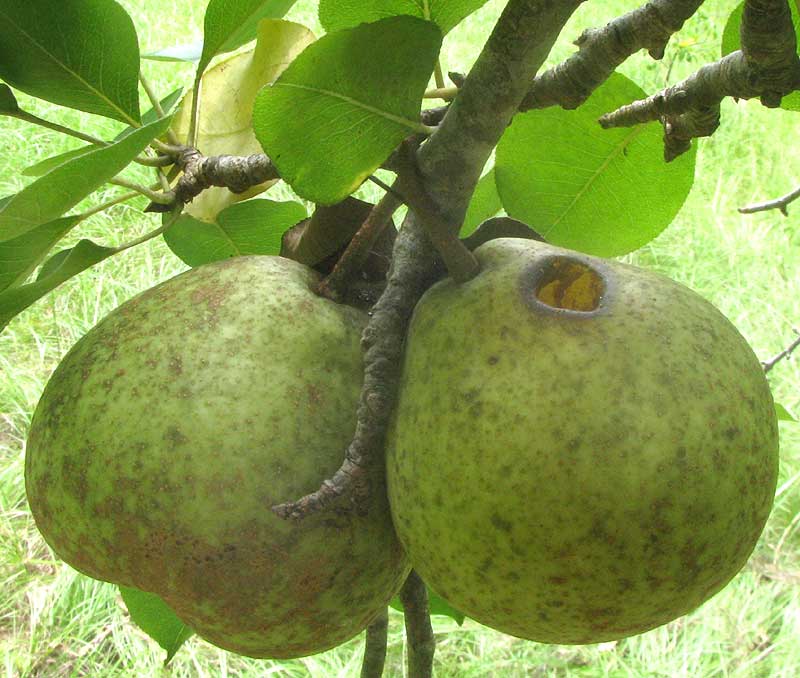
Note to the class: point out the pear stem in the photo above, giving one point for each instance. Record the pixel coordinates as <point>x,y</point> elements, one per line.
<point>375,646</point>
<point>420,643</point>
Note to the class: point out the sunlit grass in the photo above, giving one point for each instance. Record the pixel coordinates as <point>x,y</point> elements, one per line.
<point>54,622</point>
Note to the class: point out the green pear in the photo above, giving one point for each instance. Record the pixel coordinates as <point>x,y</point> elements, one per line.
<point>170,429</point>
<point>582,450</point>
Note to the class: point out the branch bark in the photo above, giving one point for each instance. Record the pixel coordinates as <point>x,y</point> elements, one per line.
<point>601,50</point>
<point>767,66</point>
<point>237,173</point>
<point>452,159</point>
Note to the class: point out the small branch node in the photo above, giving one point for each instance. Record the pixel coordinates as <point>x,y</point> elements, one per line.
<point>784,354</point>
<point>781,204</point>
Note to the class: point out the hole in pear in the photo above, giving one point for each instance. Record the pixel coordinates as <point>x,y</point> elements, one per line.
<point>569,284</point>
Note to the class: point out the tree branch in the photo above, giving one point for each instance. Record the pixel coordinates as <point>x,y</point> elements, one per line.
<point>452,159</point>
<point>460,262</point>
<point>767,67</point>
<point>412,271</point>
<point>420,643</point>
<point>450,164</point>
<point>777,204</point>
<point>375,646</point>
<point>785,353</point>
<point>601,50</point>
<point>236,173</point>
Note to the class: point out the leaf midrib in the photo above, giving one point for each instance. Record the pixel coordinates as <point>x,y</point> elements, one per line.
<point>411,124</point>
<point>633,133</point>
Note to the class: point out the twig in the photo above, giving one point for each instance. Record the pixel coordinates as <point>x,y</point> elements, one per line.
<point>776,204</point>
<point>767,67</point>
<point>420,643</point>
<point>785,353</point>
<point>236,173</point>
<point>375,646</point>
<point>601,50</point>
<point>354,257</point>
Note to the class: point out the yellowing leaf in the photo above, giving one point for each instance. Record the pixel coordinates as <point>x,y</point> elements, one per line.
<point>227,93</point>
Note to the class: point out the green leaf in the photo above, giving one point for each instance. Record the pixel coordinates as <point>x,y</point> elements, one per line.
<point>16,299</point>
<point>225,121</point>
<point>484,204</point>
<point>252,227</point>
<point>52,264</point>
<point>8,102</point>
<point>63,187</point>
<point>156,619</point>
<point>345,103</point>
<point>335,15</point>
<point>187,53</point>
<point>82,54</point>
<point>44,166</point>
<point>436,605</point>
<point>604,192</point>
<point>20,255</point>
<point>731,43</point>
<point>229,24</point>
<point>783,414</point>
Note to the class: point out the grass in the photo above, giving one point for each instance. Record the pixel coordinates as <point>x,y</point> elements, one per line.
<point>56,623</point>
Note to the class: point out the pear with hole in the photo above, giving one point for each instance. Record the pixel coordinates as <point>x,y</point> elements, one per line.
<point>582,450</point>
<point>167,433</point>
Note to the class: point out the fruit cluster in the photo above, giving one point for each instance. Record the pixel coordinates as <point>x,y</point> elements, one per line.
<point>581,451</point>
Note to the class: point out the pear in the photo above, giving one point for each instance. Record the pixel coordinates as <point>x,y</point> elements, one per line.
<point>582,450</point>
<point>167,433</point>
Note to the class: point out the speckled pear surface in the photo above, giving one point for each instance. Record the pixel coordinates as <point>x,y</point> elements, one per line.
<point>577,476</point>
<point>168,431</point>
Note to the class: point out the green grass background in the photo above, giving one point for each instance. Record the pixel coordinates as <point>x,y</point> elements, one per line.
<point>57,623</point>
